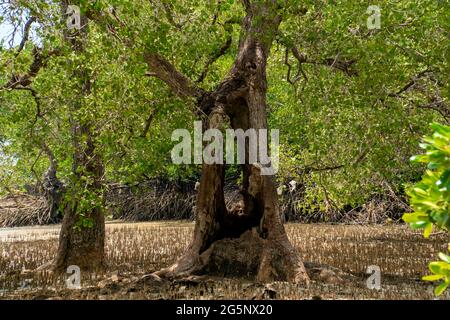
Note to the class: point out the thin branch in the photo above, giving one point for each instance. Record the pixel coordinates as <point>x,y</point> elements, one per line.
<point>440,106</point>
<point>215,57</point>
<point>34,171</point>
<point>50,155</point>
<point>335,63</point>
<point>360,158</point>
<point>169,15</point>
<point>326,168</point>
<point>148,122</point>
<point>36,99</point>
<point>410,84</point>
<point>26,34</point>
<point>339,64</point>
<point>436,103</point>
<point>24,80</point>
<point>300,59</point>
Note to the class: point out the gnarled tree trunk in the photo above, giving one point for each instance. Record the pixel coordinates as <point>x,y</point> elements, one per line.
<point>252,243</point>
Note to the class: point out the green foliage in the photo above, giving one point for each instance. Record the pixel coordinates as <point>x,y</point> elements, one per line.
<point>328,119</point>
<point>352,122</point>
<point>441,271</point>
<point>430,198</point>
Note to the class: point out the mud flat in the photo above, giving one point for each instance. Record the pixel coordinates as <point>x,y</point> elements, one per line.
<point>137,249</point>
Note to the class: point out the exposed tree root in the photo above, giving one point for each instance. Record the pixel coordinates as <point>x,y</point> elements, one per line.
<point>249,257</point>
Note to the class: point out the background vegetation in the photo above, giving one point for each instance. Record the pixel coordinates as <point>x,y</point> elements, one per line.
<point>349,120</point>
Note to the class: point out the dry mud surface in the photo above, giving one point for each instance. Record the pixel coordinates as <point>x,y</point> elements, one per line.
<point>136,249</point>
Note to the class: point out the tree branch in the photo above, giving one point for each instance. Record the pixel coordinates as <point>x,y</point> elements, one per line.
<point>436,102</point>
<point>159,66</point>
<point>335,63</point>
<point>178,83</point>
<point>360,158</point>
<point>340,64</point>
<point>26,34</point>
<point>301,58</point>
<point>410,84</point>
<point>51,157</point>
<point>39,61</point>
<point>438,105</point>
<point>215,57</point>
<point>148,122</point>
<point>169,15</point>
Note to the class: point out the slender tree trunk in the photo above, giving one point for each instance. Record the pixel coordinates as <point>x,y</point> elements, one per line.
<point>83,245</point>
<point>253,243</point>
<point>53,187</point>
<point>79,244</point>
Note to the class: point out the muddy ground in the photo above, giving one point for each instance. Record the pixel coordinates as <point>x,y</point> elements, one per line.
<point>136,249</point>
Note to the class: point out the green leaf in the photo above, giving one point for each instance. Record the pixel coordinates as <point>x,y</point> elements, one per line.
<point>433,277</point>
<point>444,180</point>
<point>437,266</point>
<point>440,288</point>
<point>442,129</point>
<point>419,224</point>
<point>433,165</point>
<point>427,231</point>
<point>444,257</point>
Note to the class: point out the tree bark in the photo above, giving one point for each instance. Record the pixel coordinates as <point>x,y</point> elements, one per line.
<point>78,244</point>
<point>251,242</point>
<point>53,188</point>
